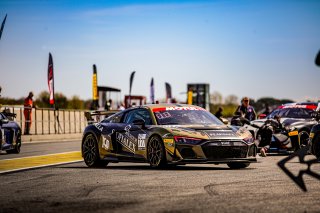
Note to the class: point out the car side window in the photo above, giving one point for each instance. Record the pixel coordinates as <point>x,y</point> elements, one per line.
<point>114,118</point>
<point>138,114</point>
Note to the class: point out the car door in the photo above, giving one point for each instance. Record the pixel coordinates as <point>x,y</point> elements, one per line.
<point>132,138</point>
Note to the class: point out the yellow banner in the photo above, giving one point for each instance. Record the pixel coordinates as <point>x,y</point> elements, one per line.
<point>190,94</point>
<point>95,87</point>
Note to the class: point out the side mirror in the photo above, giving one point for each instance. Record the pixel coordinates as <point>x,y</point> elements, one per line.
<point>316,115</point>
<point>318,59</point>
<point>139,122</point>
<point>262,116</point>
<point>4,121</point>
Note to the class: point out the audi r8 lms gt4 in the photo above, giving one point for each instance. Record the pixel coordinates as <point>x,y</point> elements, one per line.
<point>10,135</point>
<point>167,134</point>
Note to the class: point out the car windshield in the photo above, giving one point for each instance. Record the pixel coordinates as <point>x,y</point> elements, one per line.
<point>185,116</point>
<point>292,113</point>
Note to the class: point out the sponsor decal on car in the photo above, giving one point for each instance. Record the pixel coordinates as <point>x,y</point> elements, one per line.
<point>127,142</point>
<point>98,126</point>
<point>176,108</point>
<point>212,134</point>
<point>106,144</point>
<point>293,133</point>
<point>141,141</point>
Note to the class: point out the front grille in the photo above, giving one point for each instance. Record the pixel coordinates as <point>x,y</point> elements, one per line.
<point>218,152</point>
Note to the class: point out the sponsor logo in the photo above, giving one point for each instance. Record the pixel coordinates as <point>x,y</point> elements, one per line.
<point>98,126</point>
<point>293,133</point>
<point>184,108</point>
<point>168,140</point>
<point>141,141</point>
<point>127,142</point>
<point>225,143</point>
<point>106,144</point>
<point>217,134</point>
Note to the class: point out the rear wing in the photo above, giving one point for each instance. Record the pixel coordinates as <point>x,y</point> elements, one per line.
<point>11,116</point>
<point>98,115</point>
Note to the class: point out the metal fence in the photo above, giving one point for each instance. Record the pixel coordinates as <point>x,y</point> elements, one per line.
<point>50,121</point>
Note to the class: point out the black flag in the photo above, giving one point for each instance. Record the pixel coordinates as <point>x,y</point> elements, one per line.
<point>152,91</point>
<point>2,25</point>
<point>168,93</point>
<point>130,86</point>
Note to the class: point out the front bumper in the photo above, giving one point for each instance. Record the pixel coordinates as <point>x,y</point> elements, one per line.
<point>216,151</point>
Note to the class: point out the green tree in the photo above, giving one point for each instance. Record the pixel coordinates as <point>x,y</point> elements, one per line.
<point>75,103</point>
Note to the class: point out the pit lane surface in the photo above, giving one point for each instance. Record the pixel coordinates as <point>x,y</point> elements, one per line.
<point>128,187</point>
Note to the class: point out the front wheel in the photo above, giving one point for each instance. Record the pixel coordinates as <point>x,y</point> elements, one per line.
<point>238,165</point>
<point>316,146</point>
<point>90,152</point>
<point>156,152</point>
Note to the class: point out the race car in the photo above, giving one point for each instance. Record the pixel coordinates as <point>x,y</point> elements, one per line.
<point>10,134</point>
<point>296,119</point>
<point>315,138</point>
<point>163,134</point>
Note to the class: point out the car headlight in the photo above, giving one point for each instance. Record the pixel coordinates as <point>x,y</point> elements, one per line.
<point>186,140</point>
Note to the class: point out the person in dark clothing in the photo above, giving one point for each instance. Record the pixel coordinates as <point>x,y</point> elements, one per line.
<point>266,110</point>
<point>245,110</point>
<point>218,114</point>
<point>266,134</point>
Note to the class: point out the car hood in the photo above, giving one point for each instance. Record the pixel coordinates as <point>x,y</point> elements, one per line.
<point>284,121</point>
<point>208,132</point>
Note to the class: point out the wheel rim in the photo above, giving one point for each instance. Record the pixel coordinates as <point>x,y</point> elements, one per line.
<point>303,138</point>
<point>154,152</point>
<point>89,150</point>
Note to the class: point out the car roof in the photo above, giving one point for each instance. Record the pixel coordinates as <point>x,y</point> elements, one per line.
<point>164,105</point>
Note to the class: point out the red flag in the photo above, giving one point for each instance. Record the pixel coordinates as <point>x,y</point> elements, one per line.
<point>51,79</point>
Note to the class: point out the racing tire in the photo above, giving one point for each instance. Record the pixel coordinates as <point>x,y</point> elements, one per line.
<point>156,153</point>
<point>17,147</point>
<point>90,152</point>
<point>316,146</point>
<point>238,165</point>
<point>303,138</point>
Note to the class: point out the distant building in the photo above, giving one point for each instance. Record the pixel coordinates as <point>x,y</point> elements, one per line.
<point>198,94</point>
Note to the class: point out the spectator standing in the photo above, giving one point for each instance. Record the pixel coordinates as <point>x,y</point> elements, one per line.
<point>28,105</point>
<point>245,110</point>
<point>218,114</point>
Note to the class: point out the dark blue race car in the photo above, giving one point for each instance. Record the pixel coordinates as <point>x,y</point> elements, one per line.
<point>10,134</point>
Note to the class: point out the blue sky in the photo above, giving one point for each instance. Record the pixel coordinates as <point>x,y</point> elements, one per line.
<point>245,48</point>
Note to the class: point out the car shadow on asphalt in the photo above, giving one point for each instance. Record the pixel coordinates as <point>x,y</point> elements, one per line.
<point>148,168</point>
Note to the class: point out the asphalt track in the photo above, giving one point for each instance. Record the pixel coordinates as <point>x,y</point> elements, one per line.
<point>128,187</point>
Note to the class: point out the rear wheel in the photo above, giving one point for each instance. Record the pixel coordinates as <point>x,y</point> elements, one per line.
<point>238,165</point>
<point>156,152</point>
<point>17,147</point>
<point>90,152</point>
